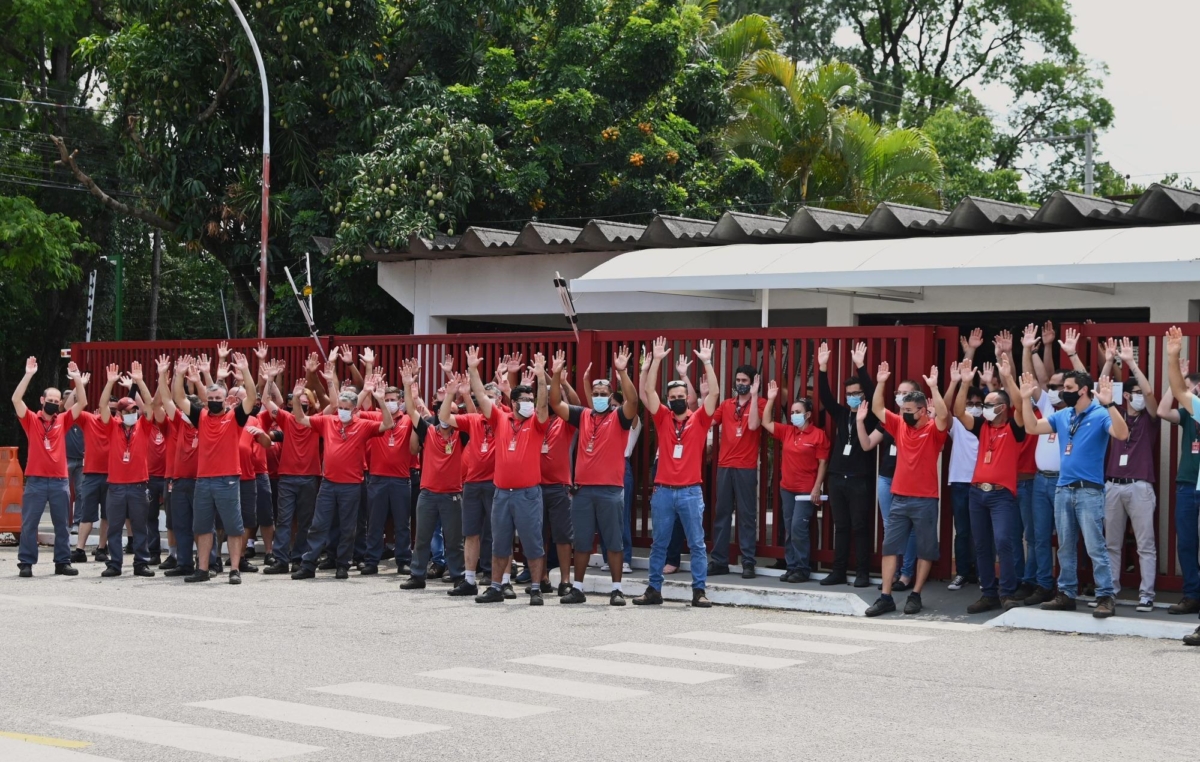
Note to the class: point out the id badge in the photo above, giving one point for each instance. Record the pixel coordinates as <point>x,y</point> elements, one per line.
<point>589,447</point>
<point>1067,449</point>
<point>450,447</point>
<point>846,449</point>
<point>125,457</point>
<point>483,446</point>
<point>391,441</point>
<point>545,449</point>
<point>678,453</point>
<point>195,442</point>
<point>892,451</point>
<point>158,438</point>
<point>46,442</point>
<point>1124,460</point>
<point>1054,438</point>
<point>987,457</point>
<point>512,446</point>
<point>739,431</point>
<point>1196,447</point>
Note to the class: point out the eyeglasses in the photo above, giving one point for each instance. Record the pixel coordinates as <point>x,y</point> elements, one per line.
<point>1053,387</point>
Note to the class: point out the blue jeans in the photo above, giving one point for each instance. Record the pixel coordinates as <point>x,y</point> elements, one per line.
<point>128,501</point>
<point>1187,537</point>
<point>626,517</point>
<point>686,504</point>
<point>1077,510</point>
<point>183,493</point>
<point>1026,567</point>
<point>964,548</point>
<point>993,515</point>
<point>908,564</point>
<point>437,546</point>
<point>40,491</point>
<point>1042,559</point>
<point>388,496</point>
<point>796,517</point>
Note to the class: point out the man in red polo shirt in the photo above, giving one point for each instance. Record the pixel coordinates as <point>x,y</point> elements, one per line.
<point>556,483</point>
<point>299,478</point>
<point>183,473</point>
<point>682,438</point>
<point>478,494</point>
<point>739,418</point>
<point>93,488</point>
<point>158,463</point>
<point>915,487</point>
<point>46,469</point>
<point>388,487</point>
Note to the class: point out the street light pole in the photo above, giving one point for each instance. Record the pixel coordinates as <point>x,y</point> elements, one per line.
<point>1089,164</point>
<point>266,175</point>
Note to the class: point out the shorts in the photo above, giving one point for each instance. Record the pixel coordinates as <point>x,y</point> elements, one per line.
<point>92,497</point>
<point>598,510</point>
<point>909,514</point>
<point>519,509</point>
<point>556,500</point>
<point>217,495</point>
<point>477,500</point>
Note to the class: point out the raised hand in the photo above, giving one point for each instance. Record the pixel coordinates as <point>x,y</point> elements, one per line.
<point>164,364</point>
<point>1029,384</point>
<point>1110,349</point>
<point>473,360</point>
<point>367,356</point>
<point>260,351</point>
<point>112,373</point>
<point>1048,334</point>
<point>222,351</point>
<point>823,356</point>
<point>1126,352</point>
<point>645,361</point>
<point>559,364</point>
<point>329,372</point>
<point>84,378</point>
<point>932,379</point>
<point>660,348</point>
<point>682,366</point>
<point>1005,366</point>
<point>240,362</point>
<point>1104,390</point>
<point>883,373</point>
<point>502,366</point>
<point>858,355</point>
<point>1069,340</point>
<point>31,366</point>
<point>514,363</point>
<point>223,370</point>
<point>987,374</point>
<point>862,411</point>
<point>772,389</point>
<point>135,371</point>
<point>346,353</point>
<point>298,389</point>
<point>966,372</point>
<point>703,384</point>
<point>204,362</point>
<point>528,377</point>
<point>705,352</point>
<point>1174,342</point>
<point>1003,342</point>
<point>975,340</point>
<point>1029,338</point>
<point>125,381</point>
<point>755,385</point>
<point>72,370</point>
<point>621,358</point>
<point>539,364</point>
<point>448,362</point>
<point>312,363</point>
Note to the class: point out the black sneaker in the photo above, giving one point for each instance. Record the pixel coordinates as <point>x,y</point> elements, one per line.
<point>413,583</point>
<point>270,560</point>
<point>235,577</point>
<point>303,573</point>
<point>780,563</point>
<point>200,575</point>
<point>881,606</point>
<point>1024,590</point>
<point>342,573</point>
<point>100,555</point>
<point>1193,639</point>
<point>616,598</point>
<point>899,586</point>
<point>25,570</point>
<point>66,570</point>
<point>574,595</point>
<point>329,563</point>
<point>535,599</point>
<point>748,572</point>
<point>246,567</point>
<point>484,580</point>
<point>142,571</point>
<point>404,569</point>
<point>171,563</point>
<point>110,571</point>
<point>436,571</point>
<point>79,556</point>
<point>156,559</point>
<point>250,551</point>
<point>279,567</point>
<point>912,605</point>
<point>1185,605</point>
<point>507,591</point>
<point>178,571</point>
<point>833,578</point>
<point>1061,602</point>
<point>217,567</point>
<point>464,588</point>
<point>563,588</point>
<point>700,600</point>
<point>985,603</point>
<point>491,595</point>
<point>368,569</point>
<point>715,570</point>
<point>863,580</point>
<point>958,583</point>
<point>651,597</point>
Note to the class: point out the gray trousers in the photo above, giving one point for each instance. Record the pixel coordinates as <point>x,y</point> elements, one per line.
<point>127,501</point>
<point>41,491</point>
<point>740,486</point>
<point>297,500</point>
<point>334,499</point>
<point>432,506</point>
<point>158,498</point>
<point>1133,502</point>
<point>75,476</point>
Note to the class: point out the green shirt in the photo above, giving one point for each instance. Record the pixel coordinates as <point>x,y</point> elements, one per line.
<point>1189,463</point>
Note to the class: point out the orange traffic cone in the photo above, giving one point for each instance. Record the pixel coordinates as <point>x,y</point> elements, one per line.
<point>14,491</point>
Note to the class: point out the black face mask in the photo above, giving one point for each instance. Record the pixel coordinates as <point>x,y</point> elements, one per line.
<point>678,407</point>
<point>1070,399</point>
<point>742,389</point>
<point>50,408</point>
<point>910,419</point>
<point>216,407</point>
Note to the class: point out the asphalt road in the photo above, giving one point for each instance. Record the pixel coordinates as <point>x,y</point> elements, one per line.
<point>91,664</point>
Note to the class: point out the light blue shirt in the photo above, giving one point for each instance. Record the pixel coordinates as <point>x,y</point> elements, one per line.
<point>1088,445</point>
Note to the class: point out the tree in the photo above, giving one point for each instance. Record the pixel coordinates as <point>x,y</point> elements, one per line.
<point>967,145</point>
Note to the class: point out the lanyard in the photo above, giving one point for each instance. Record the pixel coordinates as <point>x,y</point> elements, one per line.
<point>680,427</point>
<point>516,431</point>
<point>994,438</point>
<point>550,429</point>
<point>596,428</point>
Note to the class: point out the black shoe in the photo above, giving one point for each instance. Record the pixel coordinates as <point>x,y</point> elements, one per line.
<point>913,604</point>
<point>295,566</point>
<point>507,591</point>
<point>329,563</point>
<point>983,604</point>
<point>574,595</point>
<point>863,580</point>
<point>1039,596</point>
<point>66,570</point>
<point>250,551</point>
<point>303,573</point>
<point>436,571</point>
<point>1185,605</point>
<point>79,556</point>
<point>881,606</point>
<point>748,572</point>
<point>1193,639</point>
<point>213,572</point>
<point>404,569</point>
<point>413,583</point>
<point>899,585</point>
<point>342,573</point>
<point>833,578</point>
<point>25,570</point>
<point>1009,602</point>
<point>780,563</point>
<point>269,560</point>
<point>1060,602</point>
<point>100,555</point>
<point>563,588</point>
<point>129,547</point>
<point>491,595</point>
<point>484,580</point>
<point>368,569</point>
<point>535,599</point>
<point>616,598</point>
<point>235,577</point>
<point>200,575</point>
<point>279,567</point>
<point>111,571</point>
<point>171,563</point>
<point>1023,591</point>
<point>716,570</point>
<point>464,588</point>
<point>523,577</point>
<point>156,559</point>
<point>972,579</point>
<point>217,567</point>
<point>178,571</point>
<point>700,600</point>
<point>142,571</point>
<point>651,597</point>
<point>246,567</point>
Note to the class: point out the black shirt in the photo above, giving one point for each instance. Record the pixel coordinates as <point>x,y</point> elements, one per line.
<point>887,456</point>
<point>845,428</point>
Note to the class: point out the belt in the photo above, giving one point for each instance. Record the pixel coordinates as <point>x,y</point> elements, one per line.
<point>678,486</point>
<point>1083,483</point>
<point>986,487</point>
<point>1048,474</point>
<point>1025,477</point>
<point>1124,481</point>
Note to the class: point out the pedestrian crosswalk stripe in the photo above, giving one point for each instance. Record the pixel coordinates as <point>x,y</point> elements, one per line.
<point>179,735</point>
<point>66,603</point>
<point>451,702</point>
<point>622,669</point>
<point>320,717</point>
<point>782,644</point>
<point>14,750</point>
<point>923,624</point>
<point>526,682</point>
<point>702,655</point>
<point>838,632</point>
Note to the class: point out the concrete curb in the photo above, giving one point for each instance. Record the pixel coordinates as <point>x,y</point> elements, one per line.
<point>1085,624</point>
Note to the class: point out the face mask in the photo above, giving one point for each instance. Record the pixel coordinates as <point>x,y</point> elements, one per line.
<point>742,389</point>
<point>975,411</point>
<point>1137,402</point>
<point>797,419</point>
<point>1070,398</point>
<point>910,419</point>
<point>600,404</point>
<point>899,399</point>
<point>393,406</point>
<point>525,408</point>
<point>1054,396</point>
<point>344,414</point>
<point>678,407</point>
<point>216,407</point>
<point>129,419</point>
<point>853,401</point>
<point>990,413</point>
<point>50,408</point>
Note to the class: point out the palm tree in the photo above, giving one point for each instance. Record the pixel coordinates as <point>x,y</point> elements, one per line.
<point>733,43</point>
<point>870,164</point>
<point>789,116</point>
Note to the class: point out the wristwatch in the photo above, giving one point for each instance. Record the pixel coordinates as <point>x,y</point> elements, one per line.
<point>1110,405</point>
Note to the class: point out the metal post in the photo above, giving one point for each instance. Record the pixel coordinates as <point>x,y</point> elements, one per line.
<point>91,310</point>
<point>225,313</point>
<point>119,296</point>
<point>266,175</point>
<point>766,305</point>
<point>1089,181</point>
<point>308,289</point>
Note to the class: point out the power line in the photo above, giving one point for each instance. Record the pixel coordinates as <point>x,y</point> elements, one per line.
<point>61,105</point>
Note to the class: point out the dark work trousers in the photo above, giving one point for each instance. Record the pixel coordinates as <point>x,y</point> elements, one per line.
<point>158,498</point>
<point>360,526</point>
<point>41,491</point>
<point>433,507</point>
<point>127,501</point>
<point>388,496</point>
<point>297,498</point>
<point>338,501</point>
<point>183,492</point>
<point>993,516</point>
<point>735,486</point>
<point>852,502</point>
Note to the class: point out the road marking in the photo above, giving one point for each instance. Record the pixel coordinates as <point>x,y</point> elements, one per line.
<point>924,624</point>
<point>13,748</point>
<point>687,653</point>
<point>64,743</point>
<point>782,644</point>
<point>178,735</point>
<point>451,702</point>
<point>838,632</point>
<point>622,669</point>
<point>320,717</point>
<point>116,610</point>
<point>525,682</point>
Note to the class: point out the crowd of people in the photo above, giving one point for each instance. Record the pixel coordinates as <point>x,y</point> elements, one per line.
<point>319,473</point>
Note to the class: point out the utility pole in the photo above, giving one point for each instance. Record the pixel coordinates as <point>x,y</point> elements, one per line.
<point>155,272</point>
<point>1089,166</point>
<point>91,304</point>
<point>119,296</point>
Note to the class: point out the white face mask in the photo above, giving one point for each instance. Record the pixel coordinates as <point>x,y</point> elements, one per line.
<point>525,408</point>
<point>975,411</point>
<point>989,413</point>
<point>129,418</point>
<point>1054,396</point>
<point>393,406</point>
<point>344,414</point>
<point>1137,402</point>
<point>899,399</point>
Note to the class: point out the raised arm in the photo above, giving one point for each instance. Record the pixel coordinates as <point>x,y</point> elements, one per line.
<point>1034,426</point>
<point>1045,367</point>
<point>347,355</point>
<point>240,361</point>
<point>941,412</point>
<point>829,400</point>
<point>971,343</point>
<point>456,383</point>
<point>713,398</point>
<point>558,405</point>
<point>298,413</point>
<point>878,405</point>
<point>1008,380</point>
<point>1104,395</point>
<point>966,374</point>
<point>81,382</point>
<point>754,417</point>
<point>111,374</point>
<point>1166,407</point>
<point>682,366</point>
<point>542,405</point>
<point>1130,362</point>
<point>621,366</point>
<point>409,371</point>
<point>473,362</point>
<point>1029,340</point>
<point>867,441</point>
<point>772,394</point>
<point>568,391</point>
<point>584,394</point>
<point>178,392</point>
<point>1175,375</point>
<point>377,387</point>
<point>18,398</point>
<point>1069,342</point>
<point>137,374</point>
<point>649,392</point>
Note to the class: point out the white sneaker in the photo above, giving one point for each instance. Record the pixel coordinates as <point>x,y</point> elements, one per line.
<point>604,566</point>
<point>1092,604</point>
<point>626,568</point>
<point>958,583</point>
<point>1145,604</point>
